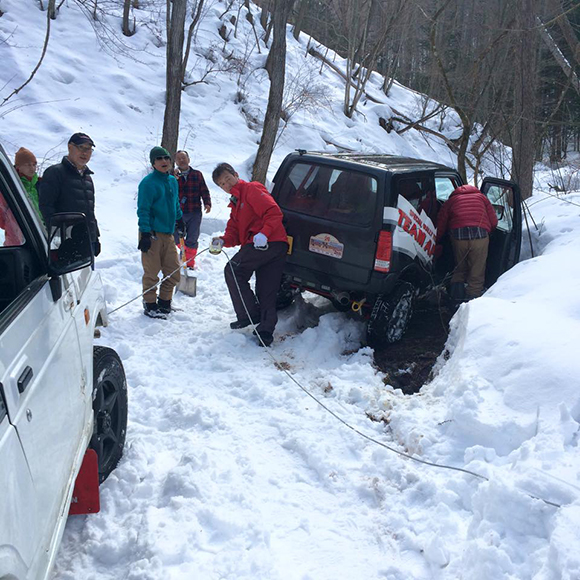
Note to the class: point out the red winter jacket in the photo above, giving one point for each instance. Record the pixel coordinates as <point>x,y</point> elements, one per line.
<point>466,206</point>
<point>253,211</point>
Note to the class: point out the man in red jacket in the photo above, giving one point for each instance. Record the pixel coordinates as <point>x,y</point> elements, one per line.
<point>255,224</point>
<point>469,218</point>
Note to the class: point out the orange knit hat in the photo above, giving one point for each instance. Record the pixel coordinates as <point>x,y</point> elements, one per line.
<point>24,156</point>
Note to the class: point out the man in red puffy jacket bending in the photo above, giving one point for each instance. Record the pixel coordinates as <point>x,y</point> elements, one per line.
<point>469,218</point>
<point>255,224</point>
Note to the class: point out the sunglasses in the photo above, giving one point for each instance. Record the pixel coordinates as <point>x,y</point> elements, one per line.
<point>85,148</point>
<point>163,157</point>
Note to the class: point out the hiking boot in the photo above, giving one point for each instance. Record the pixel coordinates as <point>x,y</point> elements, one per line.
<point>265,338</point>
<point>237,324</point>
<point>151,310</point>
<point>164,306</point>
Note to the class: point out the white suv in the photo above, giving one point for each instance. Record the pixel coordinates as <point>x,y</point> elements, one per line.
<point>59,395</point>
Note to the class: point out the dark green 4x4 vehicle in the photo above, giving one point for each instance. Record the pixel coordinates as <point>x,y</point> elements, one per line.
<point>362,231</point>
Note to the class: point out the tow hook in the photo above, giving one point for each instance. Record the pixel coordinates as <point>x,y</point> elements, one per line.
<point>358,304</point>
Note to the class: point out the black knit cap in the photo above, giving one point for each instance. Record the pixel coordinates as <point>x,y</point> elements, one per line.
<point>80,138</point>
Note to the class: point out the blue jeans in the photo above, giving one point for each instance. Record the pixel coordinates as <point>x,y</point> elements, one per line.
<point>192,226</point>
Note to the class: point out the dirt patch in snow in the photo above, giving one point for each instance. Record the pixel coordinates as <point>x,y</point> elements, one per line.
<point>408,363</point>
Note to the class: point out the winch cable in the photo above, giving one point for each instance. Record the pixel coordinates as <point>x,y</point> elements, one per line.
<point>345,423</point>
<point>158,283</point>
<point>315,399</point>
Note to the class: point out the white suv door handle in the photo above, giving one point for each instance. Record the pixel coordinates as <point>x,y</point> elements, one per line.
<point>68,300</point>
<point>24,378</point>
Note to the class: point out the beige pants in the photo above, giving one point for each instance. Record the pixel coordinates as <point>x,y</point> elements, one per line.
<point>161,256</point>
<point>470,259</point>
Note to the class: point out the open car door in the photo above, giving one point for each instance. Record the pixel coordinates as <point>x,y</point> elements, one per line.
<point>505,240</point>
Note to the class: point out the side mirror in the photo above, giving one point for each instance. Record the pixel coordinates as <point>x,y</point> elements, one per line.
<point>69,243</point>
<point>499,210</point>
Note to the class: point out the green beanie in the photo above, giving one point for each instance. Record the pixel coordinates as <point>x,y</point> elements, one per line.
<point>157,152</point>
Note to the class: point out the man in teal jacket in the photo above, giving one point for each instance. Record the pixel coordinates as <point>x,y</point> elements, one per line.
<point>159,216</point>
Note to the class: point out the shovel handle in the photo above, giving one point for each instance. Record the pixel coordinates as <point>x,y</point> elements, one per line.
<point>182,246</point>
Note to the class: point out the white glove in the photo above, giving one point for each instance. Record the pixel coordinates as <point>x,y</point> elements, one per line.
<point>260,240</point>
<point>216,246</point>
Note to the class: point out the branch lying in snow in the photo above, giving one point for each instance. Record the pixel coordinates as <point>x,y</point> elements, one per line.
<point>416,125</point>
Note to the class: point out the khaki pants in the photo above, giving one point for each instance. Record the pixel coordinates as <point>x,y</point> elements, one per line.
<point>161,256</point>
<point>470,259</point>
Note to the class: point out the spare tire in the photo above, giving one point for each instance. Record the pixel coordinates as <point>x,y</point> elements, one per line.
<point>391,315</point>
<point>109,408</point>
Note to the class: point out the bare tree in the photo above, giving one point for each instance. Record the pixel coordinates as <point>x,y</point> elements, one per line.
<point>127,31</point>
<point>265,13</point>
<point>303,8</point>
<point>176,11</point>
<point>524,144</point>
<point>50,15</point>
<point>276,67</point>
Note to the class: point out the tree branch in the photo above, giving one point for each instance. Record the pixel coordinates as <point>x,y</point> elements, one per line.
<point>50,10</point>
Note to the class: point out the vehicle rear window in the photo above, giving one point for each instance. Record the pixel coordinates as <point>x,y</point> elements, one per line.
<point>330,192</point>
<point>418,191</point>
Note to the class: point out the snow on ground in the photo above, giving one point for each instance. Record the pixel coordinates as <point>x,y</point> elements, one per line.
<point>231,471</point>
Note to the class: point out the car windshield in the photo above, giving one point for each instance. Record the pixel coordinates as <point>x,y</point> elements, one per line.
<point>330,192</point>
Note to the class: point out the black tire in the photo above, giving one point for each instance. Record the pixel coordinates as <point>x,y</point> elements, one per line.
<point>110,409</point>
<point>391,315</point>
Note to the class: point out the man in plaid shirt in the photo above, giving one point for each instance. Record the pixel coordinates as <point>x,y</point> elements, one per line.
<point>192,191</point>
<point>469,218</point>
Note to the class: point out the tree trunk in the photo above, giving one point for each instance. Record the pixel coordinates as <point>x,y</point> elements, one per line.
<point>276,66</point>
<point>264,14</point>
<point>126,23</point>
<point>300,18</point>
<point>175,39</point>
<point>524,145</point>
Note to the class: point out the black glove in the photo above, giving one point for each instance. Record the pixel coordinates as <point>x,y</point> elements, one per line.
<point>180,227</point>
<point>96,248</point>
<point>144,242</point>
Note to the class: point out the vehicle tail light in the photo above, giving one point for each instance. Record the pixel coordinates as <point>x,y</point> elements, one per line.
<point>384,250</point>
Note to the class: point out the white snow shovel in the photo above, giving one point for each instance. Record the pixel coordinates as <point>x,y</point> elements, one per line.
<point>187,281</point>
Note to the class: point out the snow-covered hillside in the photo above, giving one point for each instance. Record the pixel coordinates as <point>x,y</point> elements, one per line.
<point>231,471</point>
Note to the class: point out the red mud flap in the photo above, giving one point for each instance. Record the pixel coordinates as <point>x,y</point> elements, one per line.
<point>85,498</point>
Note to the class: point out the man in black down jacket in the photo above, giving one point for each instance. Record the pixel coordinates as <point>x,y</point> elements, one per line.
<point>68,187</point>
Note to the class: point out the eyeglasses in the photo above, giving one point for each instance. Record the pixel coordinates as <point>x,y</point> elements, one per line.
<point>163,157</point>
<point>84,148</point>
